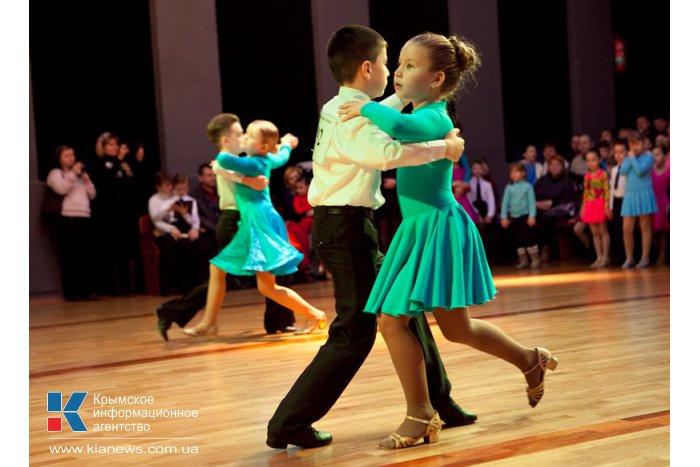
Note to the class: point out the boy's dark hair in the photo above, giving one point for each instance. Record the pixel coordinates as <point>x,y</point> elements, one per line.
<point>477,162</point>
<point>219,126</point>
<point>161,177</point>
<point>200,169</point>
<point>179,179</point>
<point>516,166</point>
<point>348,47</point>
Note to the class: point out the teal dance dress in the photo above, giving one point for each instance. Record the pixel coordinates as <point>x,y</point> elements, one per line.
<point>639,194</point>
<point>261,243</point>
<point>436,259</point>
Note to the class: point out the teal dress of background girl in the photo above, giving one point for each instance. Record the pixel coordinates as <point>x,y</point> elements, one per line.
<point>436,259</point>
<point>639,195</point>
<point>261,243</point>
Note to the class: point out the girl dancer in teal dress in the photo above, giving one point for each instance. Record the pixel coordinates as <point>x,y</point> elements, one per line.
<point>261,246</point>
<point>436,261</point>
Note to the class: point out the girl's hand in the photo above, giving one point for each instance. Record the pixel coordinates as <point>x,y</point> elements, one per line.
<point>531,221</point>
<point>181,209</point>
<point>78,167</point>
<point>289,140</point>
<point>504,223</point>
<point>86,178</point>
<point>608,213</point>
<point>351,109</point>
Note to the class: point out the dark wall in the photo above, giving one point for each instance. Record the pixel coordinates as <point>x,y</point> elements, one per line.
<point>267,68</point>
<point>644,88</point>
<point>535,71</point>
<point>91,72</point>
<point>399,20</point>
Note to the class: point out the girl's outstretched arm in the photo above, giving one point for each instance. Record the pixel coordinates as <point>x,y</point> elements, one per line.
<point>250,166</point>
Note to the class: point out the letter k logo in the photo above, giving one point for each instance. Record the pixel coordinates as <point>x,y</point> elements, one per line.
<point>54,402</point>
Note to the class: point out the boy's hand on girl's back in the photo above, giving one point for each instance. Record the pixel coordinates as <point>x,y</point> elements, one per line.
<point>290,140</point>
<point>455,145</point>
<point>257,183</point>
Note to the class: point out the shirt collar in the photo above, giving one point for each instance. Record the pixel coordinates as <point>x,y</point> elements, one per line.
<point>353,94</point>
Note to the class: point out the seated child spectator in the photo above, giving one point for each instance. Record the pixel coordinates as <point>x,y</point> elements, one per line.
<point>177,228</point>
<point>549,151</point>
<point>533,169</point>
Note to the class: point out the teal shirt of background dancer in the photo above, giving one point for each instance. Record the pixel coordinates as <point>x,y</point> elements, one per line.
<point>518,200</point>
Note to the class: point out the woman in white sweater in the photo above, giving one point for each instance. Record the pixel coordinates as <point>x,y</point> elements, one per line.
<point>74,226</point>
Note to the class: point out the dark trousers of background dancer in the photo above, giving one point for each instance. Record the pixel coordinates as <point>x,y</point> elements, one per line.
<point>182,310</point>
<point>617,247</point>
<point>346,241</point>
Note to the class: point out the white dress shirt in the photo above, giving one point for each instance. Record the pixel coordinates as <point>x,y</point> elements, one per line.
<point>159,209</point>
<point>348,156</point>
<point>486,194</point>
<point>226,186</point>
<point>621,185</point>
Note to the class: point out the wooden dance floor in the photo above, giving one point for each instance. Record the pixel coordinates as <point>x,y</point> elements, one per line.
<point>608,402</point>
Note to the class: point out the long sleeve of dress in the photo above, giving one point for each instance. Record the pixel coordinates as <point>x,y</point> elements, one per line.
<point>250,166</point>
<point>418,126</point>
<point>606,185</point>
<point>281,158</point>
<point>640,165</point>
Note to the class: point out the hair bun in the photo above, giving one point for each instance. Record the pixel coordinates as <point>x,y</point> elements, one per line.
<point>466,54</point>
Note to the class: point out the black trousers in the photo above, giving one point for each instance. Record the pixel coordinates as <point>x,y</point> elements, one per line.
<point>75,239</point>
<point>347,245</point>
<point>182,310</point>
<point>524,234</point>
<point>617,246</point>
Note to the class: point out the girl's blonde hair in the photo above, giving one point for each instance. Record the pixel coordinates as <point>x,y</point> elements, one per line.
<point>454,56</point>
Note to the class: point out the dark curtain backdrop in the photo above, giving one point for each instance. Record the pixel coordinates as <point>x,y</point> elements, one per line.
<point>267,68</point>
<point>92,71</point>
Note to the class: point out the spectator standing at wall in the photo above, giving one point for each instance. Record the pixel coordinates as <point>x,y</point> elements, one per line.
<point>116,216</point>
<point>74,227</point>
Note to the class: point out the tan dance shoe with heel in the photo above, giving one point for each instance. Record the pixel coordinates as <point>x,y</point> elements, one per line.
<point>545,361</point>
<point>201,330</point>
<point>431,434</point>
